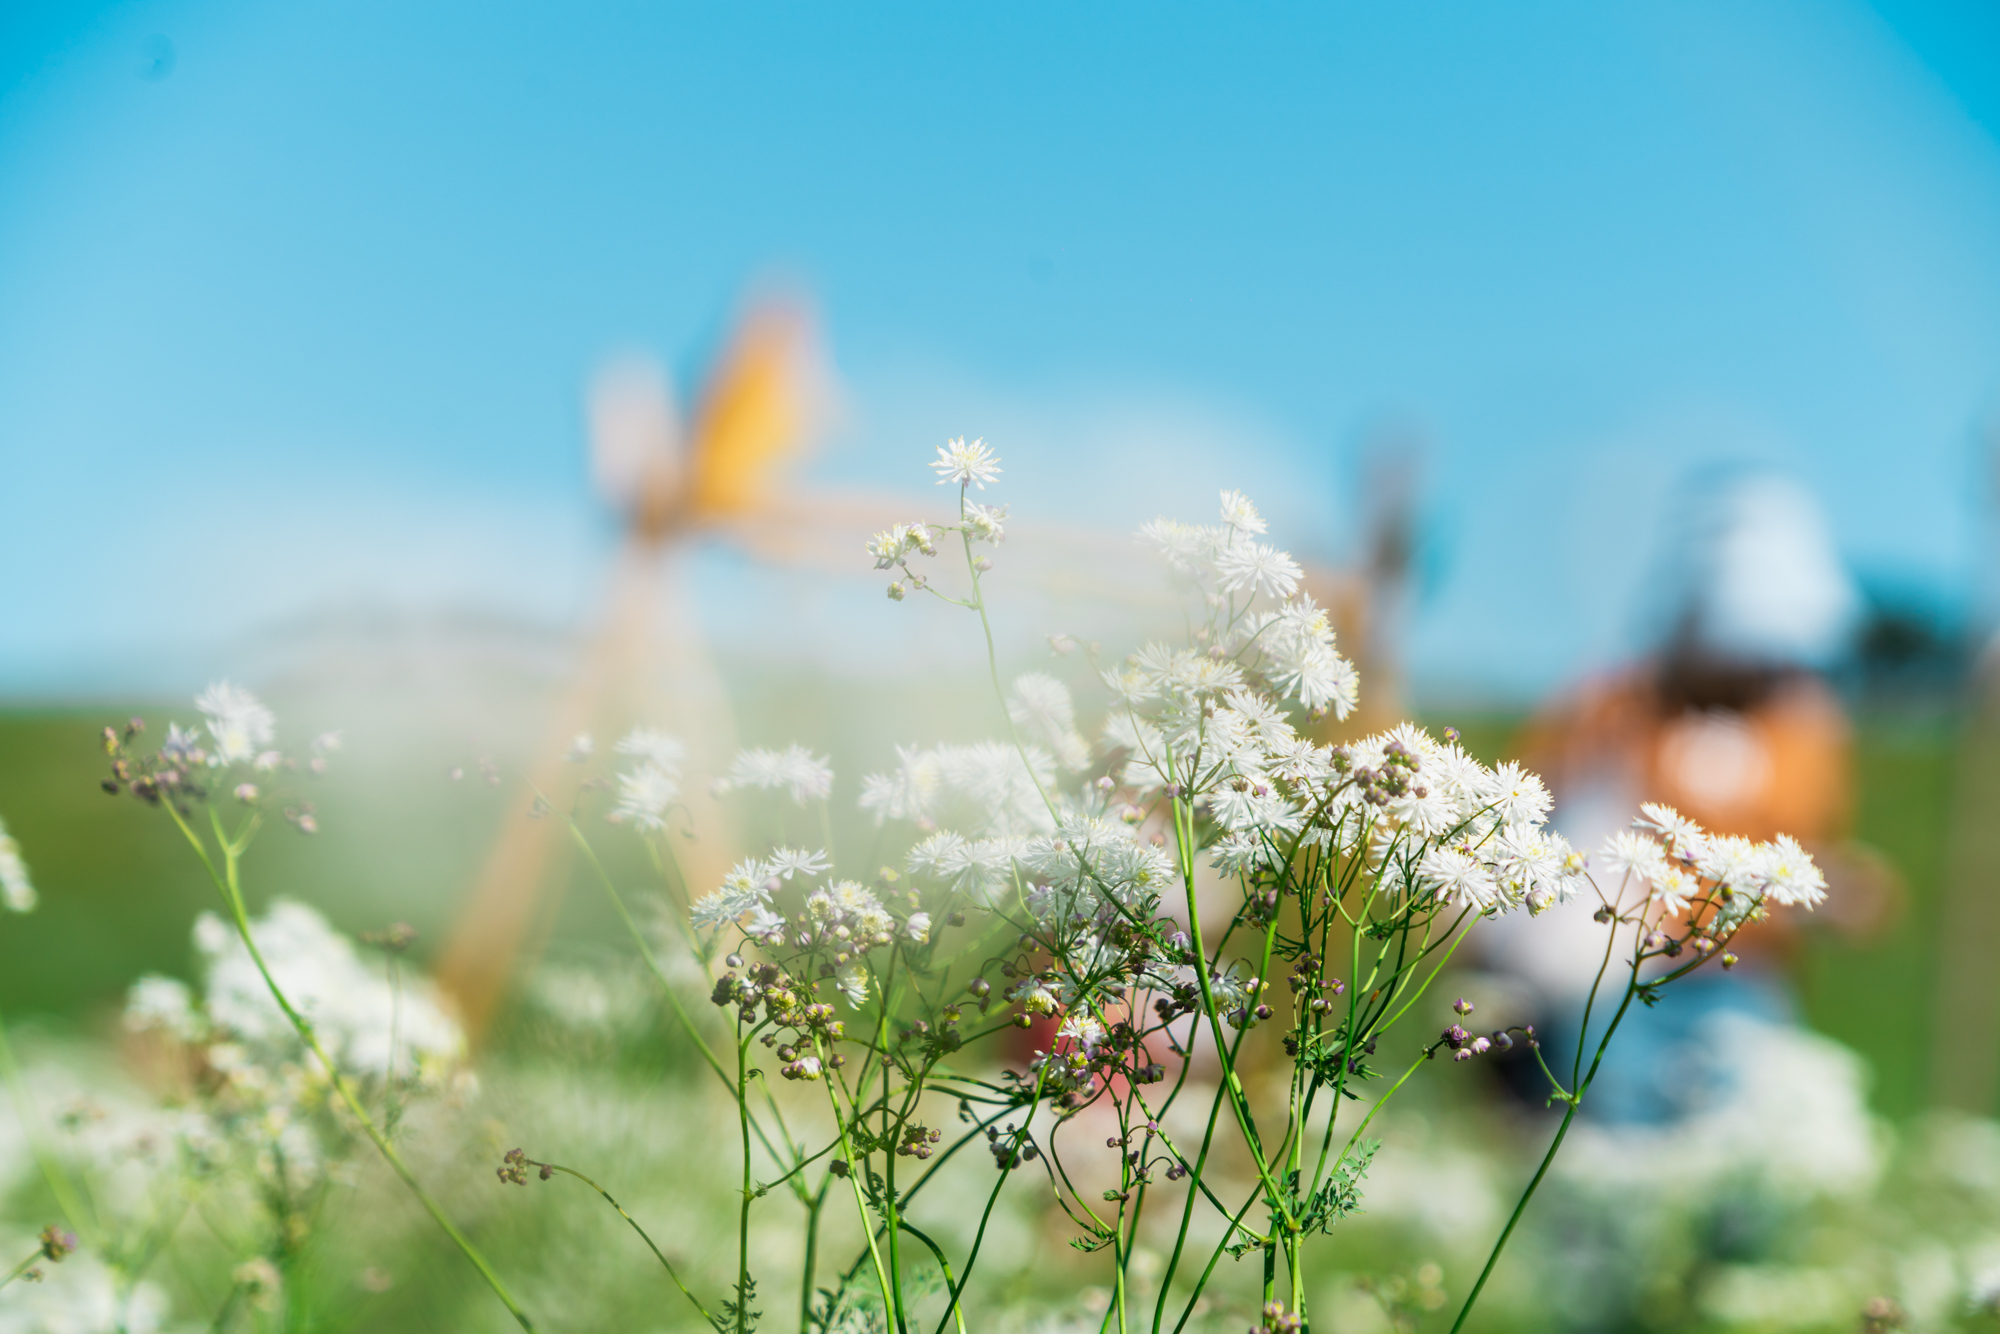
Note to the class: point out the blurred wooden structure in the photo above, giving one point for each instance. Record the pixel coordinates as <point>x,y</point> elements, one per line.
<point>647,663</point>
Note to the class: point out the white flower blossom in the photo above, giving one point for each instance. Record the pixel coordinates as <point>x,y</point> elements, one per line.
<point>853,984</point>
<point>789,862</point>
<point>808,777</point>
<point>1239,513</point>
<point>960,464</point>
<point>1259,569</point>
<point>644,796</point>
<point>165,1004</point>
<point>654,747</point>
<point>17,891</point>
<point>985,523</point>
<point>237,721</point>
<point>354,1012</point>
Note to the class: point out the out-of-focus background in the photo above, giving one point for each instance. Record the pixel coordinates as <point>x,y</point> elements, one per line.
<point>462,377</point>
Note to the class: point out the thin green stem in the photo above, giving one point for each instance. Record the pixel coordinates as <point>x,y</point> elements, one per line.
<point>650,1245</point>
<point>749,1193</point>
<point>1569,1115</point>
<point>232,894</point>
<point>21,1268</point>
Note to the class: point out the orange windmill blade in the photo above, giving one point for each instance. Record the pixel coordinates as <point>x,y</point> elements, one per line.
<point>756,415</point>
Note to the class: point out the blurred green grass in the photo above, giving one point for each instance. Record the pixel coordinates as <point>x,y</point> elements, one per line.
<point>401,841</point>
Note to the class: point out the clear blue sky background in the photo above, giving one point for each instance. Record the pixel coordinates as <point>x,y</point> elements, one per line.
<point>296,299</point>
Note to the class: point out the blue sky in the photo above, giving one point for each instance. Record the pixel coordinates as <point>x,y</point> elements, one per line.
<point>296,301</point>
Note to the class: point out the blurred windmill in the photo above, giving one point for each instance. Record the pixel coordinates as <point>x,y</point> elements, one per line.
<point>718,473</point>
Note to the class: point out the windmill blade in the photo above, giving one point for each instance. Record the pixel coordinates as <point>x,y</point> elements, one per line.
<point>764,400</point>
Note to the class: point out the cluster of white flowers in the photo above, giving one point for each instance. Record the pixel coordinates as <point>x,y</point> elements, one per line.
<point>1090,864</point>
<point>367,1027</point>
<point>839,917</point>
<point>267,1098</point>
<point>1290,644</point>
<point>892,546</point>
<point>1678,862</point>
<point>985,790</point>
<point>17,891</point>
<point>239,725</point>
<point>808,777</point>
<point>646,791</point>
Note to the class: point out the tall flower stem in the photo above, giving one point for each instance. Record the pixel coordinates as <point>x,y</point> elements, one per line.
<point>226,880</point>
<point>1575,1101</point>
<point>749,1191</point>
<point>20,1269</point>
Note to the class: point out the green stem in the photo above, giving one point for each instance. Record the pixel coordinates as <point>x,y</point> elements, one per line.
<point>1231,1083</point>
<point>232,894</point>
<point>854,1171</point>
<point>1575,1101</point>
<point>743,1214</point>
<point>813,1211</point>
<point>657,1255</point>
<point>21,1268</point>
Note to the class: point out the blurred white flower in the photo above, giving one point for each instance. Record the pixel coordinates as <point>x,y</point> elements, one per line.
<point>166,1004</point>
<point>237,721</point>
<point>351,1007</point>
<point>1238,512</point>
<point>644,795</point>
<point>809,777</point>
<point>17,891</point>
<point>655,747</point>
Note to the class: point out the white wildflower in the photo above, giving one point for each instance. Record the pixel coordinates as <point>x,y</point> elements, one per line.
<point>655,747</point>
<point>986,524</point>
<point>166,1004</point>
<point>182,746</point>
<point>1460,879</point>
<point>239,723</point>
<point>762,922</point>
<point>1187,547</point>
<point>1630,853</point>
<point>644,795</point>
<point>1793,878</point>
<point>1083,1031</point>
<point>351,1006</point>
<point>853,983</point>
<point>1258,568</point>
<point>17,891</point>
<point>917,926</point>
<point>788,862</point>
<point>809,777</point>
<point>961,464</point>
<point>893,545</point>
<point>1239,513</point>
